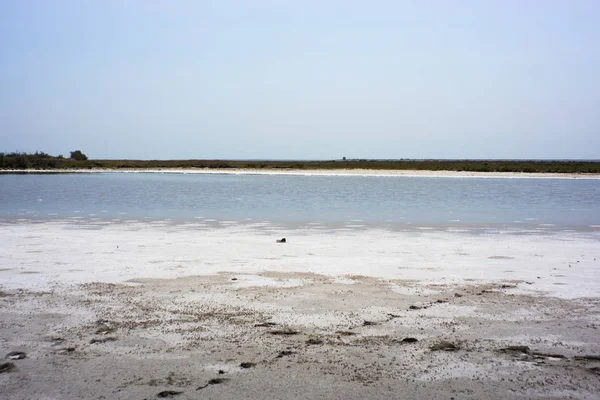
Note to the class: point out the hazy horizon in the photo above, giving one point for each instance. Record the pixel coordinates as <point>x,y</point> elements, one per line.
<point>310,81</point>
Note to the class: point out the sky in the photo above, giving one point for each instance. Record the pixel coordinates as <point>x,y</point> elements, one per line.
<point>272,79</point>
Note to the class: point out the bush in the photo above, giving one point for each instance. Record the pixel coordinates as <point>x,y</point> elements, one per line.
<point>78,155</point>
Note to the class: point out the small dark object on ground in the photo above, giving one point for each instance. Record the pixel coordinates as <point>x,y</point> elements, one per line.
<point>168,393</point>
<point>284,353</point>
<point>345,333</point>
<point>587,358</point>
<point>595,370</point>
<point>508,286</point>
<point>458,295</point>
<point>66,350</point>
<point>234,279</point>
<point>7,367</point>
<point>369,323</point>
<point>282,240</point>
<point>103,340</point>
<point>247,365</point>
<point>265,324</point>
<point>444,346</point>
<point>214,381</point>
<point>525,353</point>
<point>16,355</point>
<point>314,341</point>
<point>414,307</point>
<point>284,332</point>
<point>545,355</point>
<point>440,301</point>
<point>409,340</point>
<point>221,372</point>
<point>516,349</point>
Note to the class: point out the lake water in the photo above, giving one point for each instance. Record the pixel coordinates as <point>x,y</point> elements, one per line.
<point>396,202</point>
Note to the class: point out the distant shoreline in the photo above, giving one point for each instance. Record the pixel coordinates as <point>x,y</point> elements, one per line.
<point>43,161</point>
<point>317,172</point>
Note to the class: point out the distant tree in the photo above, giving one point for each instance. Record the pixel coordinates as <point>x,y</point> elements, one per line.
<point>344,158</point>
<point>20,161</point>
<point>78,155</point>
<point>41,154</point>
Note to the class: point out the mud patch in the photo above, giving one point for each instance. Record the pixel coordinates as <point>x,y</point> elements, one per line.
<point>444,346</point>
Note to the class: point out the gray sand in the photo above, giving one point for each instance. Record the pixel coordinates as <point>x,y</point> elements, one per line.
<point>187,339</point>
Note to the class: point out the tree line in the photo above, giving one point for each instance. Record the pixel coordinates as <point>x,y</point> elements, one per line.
<point>39,160</point>
<point>78,160</point>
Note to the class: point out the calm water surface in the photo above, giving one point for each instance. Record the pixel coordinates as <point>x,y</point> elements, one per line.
<point>385,201</point>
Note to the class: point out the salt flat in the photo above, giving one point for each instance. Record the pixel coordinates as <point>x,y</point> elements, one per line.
<point>138,310</point>
<point>39,256</point>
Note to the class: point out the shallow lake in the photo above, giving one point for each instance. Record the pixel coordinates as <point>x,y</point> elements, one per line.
<point>392,201</point>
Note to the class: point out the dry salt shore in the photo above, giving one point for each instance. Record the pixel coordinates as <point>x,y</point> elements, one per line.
<point>324,172</point>
<point>150,310</point>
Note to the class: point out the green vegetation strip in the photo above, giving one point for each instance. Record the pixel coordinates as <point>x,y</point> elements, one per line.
<point>43,161</point>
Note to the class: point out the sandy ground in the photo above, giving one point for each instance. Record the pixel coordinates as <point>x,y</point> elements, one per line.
<point>290,331</point>
<point>328,172</point>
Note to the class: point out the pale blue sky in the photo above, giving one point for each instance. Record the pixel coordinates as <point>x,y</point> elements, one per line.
<point>301,80</point>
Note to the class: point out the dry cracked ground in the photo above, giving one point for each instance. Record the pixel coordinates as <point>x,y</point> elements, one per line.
<point>304,336</point>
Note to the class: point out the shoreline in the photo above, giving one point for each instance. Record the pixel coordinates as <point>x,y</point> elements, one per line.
<point>318,172</point>
<point>94,221</point>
